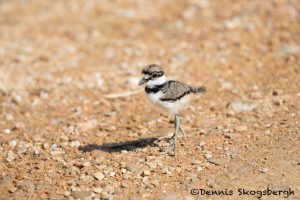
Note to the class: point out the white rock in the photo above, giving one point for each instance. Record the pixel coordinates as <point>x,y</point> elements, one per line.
<point>199,168</point>
<point>46,146</point>
<point>85,126</point>
<point>21,149</point>
<point>239,106</point>
<point>125,13</point>
<point>208,155</point>
<point>201,143</point>
<point>169,196</point>
<point>67,193</point>
<point>11,156</point>
<point>287,49</point>
<point>124,151</point>
<point>75,144</point>
<point>98,81</point>
<point>56,153</point>
<point>112,174</point>
<point>19,126</point>
<point>12,143</point>
<point>189,12</point>
<point>9,117</point>
<point>232,23</point>
<point>123,170</point>
<point>99,176</point>
<point>264,170</point>
<point>241,128</point>
<point>53,147</point>
<point>146,173</point>
<point>7,131</point>
<point>97,190</point>
<point>36,151</point>
<point>110,189</point>
<point>86,164</point>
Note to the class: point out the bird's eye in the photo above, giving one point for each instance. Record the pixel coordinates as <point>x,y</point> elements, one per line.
<point>155,75</point>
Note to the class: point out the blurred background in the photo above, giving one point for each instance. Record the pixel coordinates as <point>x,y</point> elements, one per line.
<point>65,64</point>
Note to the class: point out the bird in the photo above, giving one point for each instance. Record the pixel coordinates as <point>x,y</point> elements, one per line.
<point>171,95</point>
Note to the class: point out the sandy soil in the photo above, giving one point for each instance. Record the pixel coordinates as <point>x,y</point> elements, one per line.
<point>68,130</point>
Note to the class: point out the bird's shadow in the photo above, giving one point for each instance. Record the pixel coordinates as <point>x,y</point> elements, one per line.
<point>119,146</point>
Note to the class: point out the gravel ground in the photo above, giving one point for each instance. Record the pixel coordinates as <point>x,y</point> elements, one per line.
<point>74,124</point>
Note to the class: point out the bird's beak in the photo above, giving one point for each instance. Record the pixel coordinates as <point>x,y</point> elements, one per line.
<point>144,80</point>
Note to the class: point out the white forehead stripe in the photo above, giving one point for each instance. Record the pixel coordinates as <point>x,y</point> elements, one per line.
<point>158,81</point>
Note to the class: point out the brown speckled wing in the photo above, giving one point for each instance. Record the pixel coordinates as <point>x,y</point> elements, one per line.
<point>174,90</point>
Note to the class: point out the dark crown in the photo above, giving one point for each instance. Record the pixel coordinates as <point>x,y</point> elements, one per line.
<point>153,69</point>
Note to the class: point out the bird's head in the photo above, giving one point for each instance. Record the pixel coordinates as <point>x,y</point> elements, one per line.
<point>151,73</point>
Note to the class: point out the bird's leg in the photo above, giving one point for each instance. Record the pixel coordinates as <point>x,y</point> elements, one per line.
<point>174,137</point>
<point>172,146</point>
<point>181,130</point>
<point>177,127</point>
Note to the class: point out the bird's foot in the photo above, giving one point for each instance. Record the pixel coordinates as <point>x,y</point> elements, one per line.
<point>171,148</point>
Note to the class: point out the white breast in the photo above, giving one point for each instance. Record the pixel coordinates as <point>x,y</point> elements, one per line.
<point>171,107</point>
<point>154,97</point>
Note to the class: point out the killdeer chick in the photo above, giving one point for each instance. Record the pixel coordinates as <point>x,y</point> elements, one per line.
<point>170,95</point>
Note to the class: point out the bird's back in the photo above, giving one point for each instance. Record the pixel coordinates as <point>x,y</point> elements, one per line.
<point>175,90</point>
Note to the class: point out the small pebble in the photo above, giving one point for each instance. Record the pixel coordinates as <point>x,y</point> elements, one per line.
<point>146,173</point>
<point>86,164</point>
<point>36,151</point>
<point>12,143</point>
<point>112,174</point>
<point>85,126</point>
<point>105,195</point>
<point>99,176</point>
<point>13,189</point>
<point>124,151</point>
<point>9,117</point>
<point>202,143</point>
<point>75,144</point>
<point>169,196</point>
<point>46,146</point>
<point>97,190</point>
<point>11,156</point>
<point>199,168</point>
<point>67,193</point>
<point>37,138</point>
<point>21,149</point>
<point>53,147</point>
<point>110,189</point>
<point>202,132</point>
<point>19,126</point>
<point>7,131</point>
<point>232,136</point>
<point>207,155</point>
<point>81,194</point>
<point>126,176</point>
<point>264,170</point>
<point>218,161</point>
<point>241,128</point>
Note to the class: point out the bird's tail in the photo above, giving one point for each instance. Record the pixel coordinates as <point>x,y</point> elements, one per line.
<point>196,90</point>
